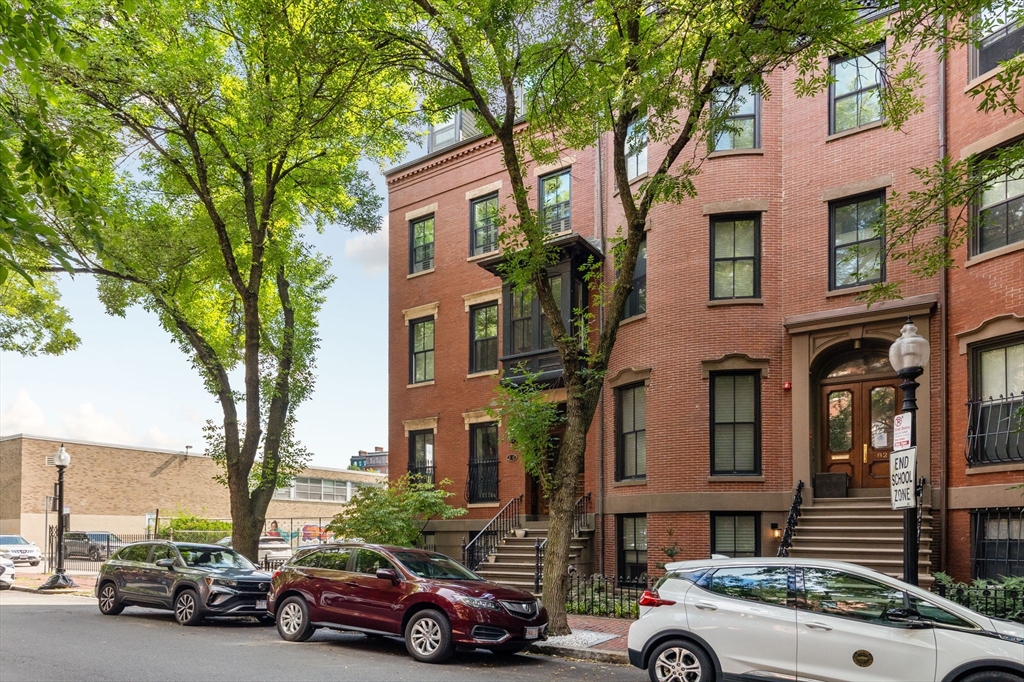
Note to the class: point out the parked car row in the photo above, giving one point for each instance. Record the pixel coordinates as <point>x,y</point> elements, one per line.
<point>6,573</point>
<point>432,601</point>
<point>271,547</point>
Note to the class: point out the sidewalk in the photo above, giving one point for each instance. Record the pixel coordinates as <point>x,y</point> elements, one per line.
<point>593,639</point>
<point>29,582</point>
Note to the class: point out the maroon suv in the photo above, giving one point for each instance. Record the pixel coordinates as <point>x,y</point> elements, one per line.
<point>436,603</point>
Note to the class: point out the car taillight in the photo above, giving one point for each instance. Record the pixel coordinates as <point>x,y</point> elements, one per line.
<point>651,598</point>
<point>274,576</point>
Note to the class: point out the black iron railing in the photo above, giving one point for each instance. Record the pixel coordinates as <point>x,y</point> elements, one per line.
<point>268,564</point>
<point>791,520</point>
<point>995,430</point>
<point>421,473</point>
<point>494,532</point>
<point>993,601</point>
<point>482,485</point>
<point>538,563</point>
<point>598,595</point>
<point>997,542</point>
<point>581,515</point>
<point>87,551</point>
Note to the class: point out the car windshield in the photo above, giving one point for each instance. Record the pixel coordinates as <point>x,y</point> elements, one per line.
<point>431,565</point>
<point>209,557</point>
<point>103,537</point>
<point>273,541</point>
<point>12,540</point>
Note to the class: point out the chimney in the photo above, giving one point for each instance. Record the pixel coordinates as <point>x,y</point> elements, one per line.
<point>362,453</point>
<point>378,448</point>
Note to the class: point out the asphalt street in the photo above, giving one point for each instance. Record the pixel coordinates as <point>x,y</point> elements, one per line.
<point>44,637</point>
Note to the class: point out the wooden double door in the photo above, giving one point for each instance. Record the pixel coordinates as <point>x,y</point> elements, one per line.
<point>857,429</point>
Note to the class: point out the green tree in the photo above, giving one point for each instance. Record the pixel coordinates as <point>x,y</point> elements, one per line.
<point>622,66</point>
<point>396,514</point>
<point>238,124</point>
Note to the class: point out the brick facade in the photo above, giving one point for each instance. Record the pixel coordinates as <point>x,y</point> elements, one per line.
<point>789,334</point>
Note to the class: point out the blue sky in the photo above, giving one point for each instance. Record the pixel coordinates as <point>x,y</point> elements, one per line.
<point>129,384</point>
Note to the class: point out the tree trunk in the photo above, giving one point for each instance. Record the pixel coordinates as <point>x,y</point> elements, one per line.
<point>246,526</point>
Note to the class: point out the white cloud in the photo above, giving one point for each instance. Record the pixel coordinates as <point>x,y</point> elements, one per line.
<point>370,251</point>
<point>85,423</point>
<point>158,439</point>
<point>23,416</point>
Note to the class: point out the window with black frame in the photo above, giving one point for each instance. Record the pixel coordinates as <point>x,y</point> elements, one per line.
<point>631,431</point>
<point>421,455</point>
<point>421,241</point>
<point>1000,213</point>
<point>855,93</point>
<point>997,543</point>
<point>483,462</point>
<point>483,341</point>
<point>735,256</point>
<point>555,201</point>
<point>632,543</point>
<point>735,535</point>
<point>636,302</point>
<point>521,329</point>
<point>856,256</point>
<point>1002,36</point>
<point>483,225</point>
<point>741,128</point>
<point>421,350</point>
<point>995,429</point>
<point>736,423</point>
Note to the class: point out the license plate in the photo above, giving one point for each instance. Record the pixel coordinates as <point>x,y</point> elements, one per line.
<point>532,633</point>
<point>261,604</point>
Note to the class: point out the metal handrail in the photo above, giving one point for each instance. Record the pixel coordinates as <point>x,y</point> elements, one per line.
<point>919,490</point>
<point>538,562</point>
<point>496,529</point>
<point>791,521</point>
<point>580,511</point>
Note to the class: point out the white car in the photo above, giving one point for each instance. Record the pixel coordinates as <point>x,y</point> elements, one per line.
<point>271,547</point>
<point>822,621</point>
<point>6,573</point>
<point>19,550</point>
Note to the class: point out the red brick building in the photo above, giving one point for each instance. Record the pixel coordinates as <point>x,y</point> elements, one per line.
<point>746,362</point>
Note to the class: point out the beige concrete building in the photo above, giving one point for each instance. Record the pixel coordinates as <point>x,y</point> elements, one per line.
<point>118,488</point>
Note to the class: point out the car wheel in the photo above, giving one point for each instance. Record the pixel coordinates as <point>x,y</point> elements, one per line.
<point>680,661</point>
<point>109,601</point>
<point>993,676</point>
<point>428,637</point>
<point>186,608</point>
<point>94,554</point>
<point>33,563</point>
<point>293,622</point>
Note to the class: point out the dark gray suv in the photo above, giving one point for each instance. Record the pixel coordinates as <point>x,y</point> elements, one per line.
<point>194,581</point>
<point>96,545</point>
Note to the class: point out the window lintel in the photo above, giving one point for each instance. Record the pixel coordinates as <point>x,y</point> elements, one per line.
<point>426,310</point>
<point>630,375</point>
<point>994,327</point>
<point>733,362</point>
<point>423,424</point>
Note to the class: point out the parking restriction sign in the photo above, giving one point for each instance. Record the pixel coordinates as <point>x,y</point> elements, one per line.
<point>901,426</point>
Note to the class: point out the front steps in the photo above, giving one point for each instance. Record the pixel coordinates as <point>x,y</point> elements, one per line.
<point>513,562</point>
<point>860,530</point>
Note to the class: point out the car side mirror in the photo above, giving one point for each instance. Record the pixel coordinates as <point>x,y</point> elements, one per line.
<point>908,616</point>
<point>388,574</point>
<point>166,563</point>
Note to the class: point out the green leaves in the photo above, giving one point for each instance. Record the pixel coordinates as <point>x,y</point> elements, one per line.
<point>396,514</point>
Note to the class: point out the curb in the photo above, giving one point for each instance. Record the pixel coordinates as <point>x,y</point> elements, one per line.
<point>595,655</point>
<point>25,588</point>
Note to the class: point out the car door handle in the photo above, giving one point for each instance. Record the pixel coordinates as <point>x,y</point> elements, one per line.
<point>704,606</point>
<point>819,626</point>
<point>351,584</point>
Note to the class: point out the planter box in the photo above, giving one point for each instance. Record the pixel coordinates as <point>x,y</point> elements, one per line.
<point>830,485</point>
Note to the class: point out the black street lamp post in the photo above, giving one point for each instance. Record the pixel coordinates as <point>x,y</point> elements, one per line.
<point>909,356</point>
<point>60,579</point>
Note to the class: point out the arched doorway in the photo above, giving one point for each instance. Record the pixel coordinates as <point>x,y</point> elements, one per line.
<point>859,392</point>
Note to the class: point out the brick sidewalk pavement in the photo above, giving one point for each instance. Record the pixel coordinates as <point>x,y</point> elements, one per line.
<point>611,626</point>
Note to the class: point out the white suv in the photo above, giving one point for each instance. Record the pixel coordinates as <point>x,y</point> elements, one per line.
<point>789,619</point>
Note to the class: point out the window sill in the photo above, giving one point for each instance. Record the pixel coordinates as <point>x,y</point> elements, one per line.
<point>753,151</point>
<point>413,275</point>
<point>718,303</point>
<point>420,383</point>
<point>994,468</point>
<point>994,253</point>
<point>482,505</point>
<point>629,482</point>
<point>735,478</point>
<point>634,318</point>
<point>849,290</point>
<point>488,373</point>
<point>854,131</point>
<point>988,75</point>
<point>473,259</point>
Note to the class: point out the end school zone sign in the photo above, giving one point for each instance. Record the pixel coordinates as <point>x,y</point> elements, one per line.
<point>902,473</point>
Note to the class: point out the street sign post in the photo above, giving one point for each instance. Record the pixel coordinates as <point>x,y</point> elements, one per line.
<point>902,478</point>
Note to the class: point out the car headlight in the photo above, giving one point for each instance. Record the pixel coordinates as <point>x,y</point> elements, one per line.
<point>220,582</point>
<point>477,603</point>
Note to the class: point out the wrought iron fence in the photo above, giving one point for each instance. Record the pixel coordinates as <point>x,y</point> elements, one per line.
<point>997,542</point>
<point>995,601</point>
<point>268,564</point>
<point>995,430</point>
<point>598,595</point>
<point>482,485</point>
<point>496,529</point>
<point>86,551</point>
<point>421,474</point>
